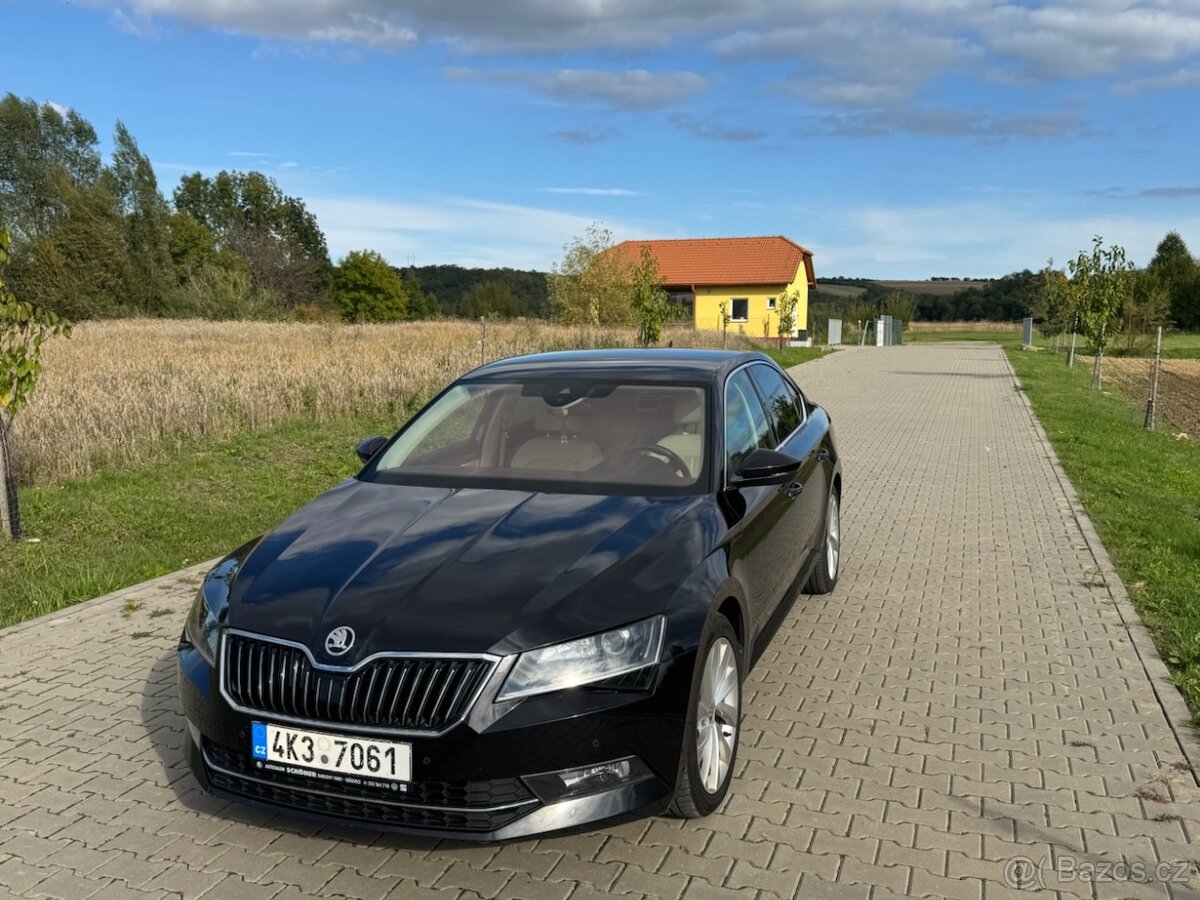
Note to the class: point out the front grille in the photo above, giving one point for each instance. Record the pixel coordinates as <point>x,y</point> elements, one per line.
<point>465,795</point>
<point>408,693</point>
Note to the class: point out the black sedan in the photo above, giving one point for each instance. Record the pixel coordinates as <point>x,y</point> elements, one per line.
<point>532,609</point>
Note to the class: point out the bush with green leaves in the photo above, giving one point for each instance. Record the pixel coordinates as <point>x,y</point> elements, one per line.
<point>367,289</point>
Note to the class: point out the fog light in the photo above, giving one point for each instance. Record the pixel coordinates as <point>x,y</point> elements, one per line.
<point>553,786</point>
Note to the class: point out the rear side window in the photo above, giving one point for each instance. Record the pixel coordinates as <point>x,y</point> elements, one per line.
<point>746,425</point>
<point>780,400</point>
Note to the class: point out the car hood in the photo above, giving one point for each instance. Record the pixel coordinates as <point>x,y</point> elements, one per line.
<point>425,569</point>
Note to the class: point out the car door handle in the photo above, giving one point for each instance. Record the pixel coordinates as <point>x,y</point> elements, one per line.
<point>823,455</point>
<point>795,489</point>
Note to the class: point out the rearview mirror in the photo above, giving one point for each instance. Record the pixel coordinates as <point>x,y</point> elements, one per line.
<point>766,467</point>
<point>368,447</point>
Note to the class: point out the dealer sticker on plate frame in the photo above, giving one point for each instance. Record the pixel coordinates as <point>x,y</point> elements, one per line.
<point>298,750</point>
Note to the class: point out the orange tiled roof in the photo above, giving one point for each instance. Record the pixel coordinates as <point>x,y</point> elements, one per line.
<point>714,261</point>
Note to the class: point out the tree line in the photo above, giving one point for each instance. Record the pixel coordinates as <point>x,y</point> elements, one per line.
<point>99,239</point>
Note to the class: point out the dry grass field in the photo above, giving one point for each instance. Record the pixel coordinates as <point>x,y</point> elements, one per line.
<point>1178,389</point>
<point>127,392</point>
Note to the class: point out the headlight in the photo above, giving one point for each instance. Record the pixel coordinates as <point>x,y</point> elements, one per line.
<point>586,660</point>
<point>201,629</point>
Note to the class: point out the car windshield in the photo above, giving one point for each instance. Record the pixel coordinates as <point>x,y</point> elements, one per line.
<point>573,434</point>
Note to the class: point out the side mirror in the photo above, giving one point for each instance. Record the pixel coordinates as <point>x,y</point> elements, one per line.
<point>766,467</point>
<point>368,447</point>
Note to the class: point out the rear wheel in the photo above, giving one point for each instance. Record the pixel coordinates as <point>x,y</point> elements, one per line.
<point>824,577</point>
<point>713,725</point>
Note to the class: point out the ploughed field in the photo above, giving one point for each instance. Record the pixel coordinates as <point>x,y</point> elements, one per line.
<point>1178,389</point>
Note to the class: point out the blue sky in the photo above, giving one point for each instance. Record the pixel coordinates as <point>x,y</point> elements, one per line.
<point>894,138</point>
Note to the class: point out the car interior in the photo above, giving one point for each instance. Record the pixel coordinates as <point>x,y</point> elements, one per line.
<point>605,432</point>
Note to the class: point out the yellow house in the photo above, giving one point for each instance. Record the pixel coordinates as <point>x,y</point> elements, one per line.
<point>745,275</point>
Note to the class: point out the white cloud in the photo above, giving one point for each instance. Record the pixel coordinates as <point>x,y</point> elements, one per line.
<point>1177,79</point>
<point>367,24</point>
<point>467,231</point>
<point>630,89</point>
<point>836,54</point>
<point>942,122</point>
<point>711,130</point>
<point>1079,38</point>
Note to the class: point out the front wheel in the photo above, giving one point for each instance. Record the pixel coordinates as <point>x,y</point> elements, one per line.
<point>824,577</point>
<point>714,725</point>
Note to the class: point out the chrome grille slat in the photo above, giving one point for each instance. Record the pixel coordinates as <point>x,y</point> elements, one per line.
<point>411,693</point>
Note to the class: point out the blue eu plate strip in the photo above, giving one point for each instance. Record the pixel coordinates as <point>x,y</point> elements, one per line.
<point>258,740</point>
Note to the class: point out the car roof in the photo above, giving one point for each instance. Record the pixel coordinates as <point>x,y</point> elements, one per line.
<point>652,364</point>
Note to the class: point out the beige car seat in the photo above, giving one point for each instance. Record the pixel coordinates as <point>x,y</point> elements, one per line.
<point>687,442</point>
<point>559,447</point>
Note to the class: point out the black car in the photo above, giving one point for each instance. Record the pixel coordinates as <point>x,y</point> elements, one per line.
<point>532,609</point>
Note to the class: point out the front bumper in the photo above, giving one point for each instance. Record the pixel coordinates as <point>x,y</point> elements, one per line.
<point>475,781</point>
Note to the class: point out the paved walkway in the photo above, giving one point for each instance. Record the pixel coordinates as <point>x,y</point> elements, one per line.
<point>969,706</point>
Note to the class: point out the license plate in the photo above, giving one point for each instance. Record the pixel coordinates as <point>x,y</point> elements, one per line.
<point>387,760</point>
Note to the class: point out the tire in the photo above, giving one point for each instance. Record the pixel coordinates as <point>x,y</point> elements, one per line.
<point>825,576</point>
<point>700,789</point>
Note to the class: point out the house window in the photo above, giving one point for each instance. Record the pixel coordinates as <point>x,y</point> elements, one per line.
<point>770,303</point>
<point>739,309</point>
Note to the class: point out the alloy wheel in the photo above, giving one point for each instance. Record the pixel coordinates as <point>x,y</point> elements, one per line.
<point>717,715</point>
<point>833,537</point>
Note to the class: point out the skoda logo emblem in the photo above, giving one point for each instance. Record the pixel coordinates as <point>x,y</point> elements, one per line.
<point>339,640</point>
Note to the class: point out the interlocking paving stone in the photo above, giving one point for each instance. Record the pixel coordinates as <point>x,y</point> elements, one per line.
<point>976,690</point>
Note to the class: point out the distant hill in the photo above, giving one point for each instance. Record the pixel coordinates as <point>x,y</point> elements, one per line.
<point>840,285</point>
<point>941,299</point>
<point>508,293</point>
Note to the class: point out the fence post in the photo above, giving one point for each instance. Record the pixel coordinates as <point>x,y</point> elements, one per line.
<point>1071,353</point>
<point>482,340</point>
<point>10,511</point>
<point>1155,368</point>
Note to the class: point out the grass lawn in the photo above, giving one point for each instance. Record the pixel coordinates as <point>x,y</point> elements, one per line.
<point>1179,346</point>
<point>787,357</point>
<point>1142,491</point>
<point>119,528</point>
<point>1003,338</point>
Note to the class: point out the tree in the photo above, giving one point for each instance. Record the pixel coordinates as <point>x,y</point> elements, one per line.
<point>590,285</point>
<point>1179,275</point>
<point>80,267</point>
<point>1104,280</point>
<point>420,304</point>
<point>1147,306</point>
<point>787,303</point>
<point>278,237</point>
<point>649,302</point>
<point>367,289</point>
<point>24,328</point>
<point>489,298</point>
<point>147,225</point>
<point>1052,305</point>
<point>37,143</point>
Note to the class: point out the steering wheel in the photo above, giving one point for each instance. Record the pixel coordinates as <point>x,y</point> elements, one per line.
<point>662,455</point>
